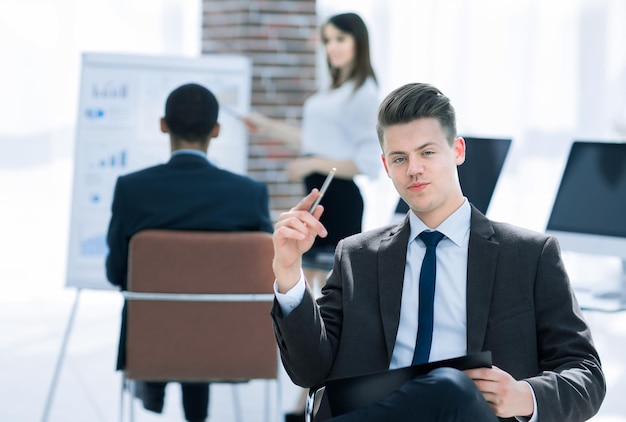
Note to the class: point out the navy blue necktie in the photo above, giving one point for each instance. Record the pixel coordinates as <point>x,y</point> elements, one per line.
<point>426,297</point>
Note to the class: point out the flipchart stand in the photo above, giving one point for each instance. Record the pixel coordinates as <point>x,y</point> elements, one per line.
<point>59,363</point>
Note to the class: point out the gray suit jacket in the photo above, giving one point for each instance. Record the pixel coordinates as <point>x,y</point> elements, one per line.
<point>520,306</point>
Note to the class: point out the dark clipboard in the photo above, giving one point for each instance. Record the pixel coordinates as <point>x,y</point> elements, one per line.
<point>348,394</point>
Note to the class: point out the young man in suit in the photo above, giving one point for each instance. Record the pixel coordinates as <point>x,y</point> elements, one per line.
<point>186,193</point>
<point>498,287</point>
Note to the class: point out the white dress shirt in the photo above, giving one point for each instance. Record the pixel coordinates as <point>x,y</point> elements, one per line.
<point>450,316</point>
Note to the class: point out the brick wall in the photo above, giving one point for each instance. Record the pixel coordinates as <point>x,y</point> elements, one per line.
<point>280,37</point>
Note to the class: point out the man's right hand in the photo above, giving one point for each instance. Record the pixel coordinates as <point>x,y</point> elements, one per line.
<point>294,234</point>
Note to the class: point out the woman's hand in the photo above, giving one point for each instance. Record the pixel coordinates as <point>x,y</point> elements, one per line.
<point>299,168</point>
<point>260,124</point>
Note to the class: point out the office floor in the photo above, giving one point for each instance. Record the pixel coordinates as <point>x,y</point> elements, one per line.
<point>35,308</point>
<point>88,388</point>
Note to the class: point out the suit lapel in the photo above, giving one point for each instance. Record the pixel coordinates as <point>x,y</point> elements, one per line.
<point>391,263</point>
<point>482,261</point>
<point>481,271</point>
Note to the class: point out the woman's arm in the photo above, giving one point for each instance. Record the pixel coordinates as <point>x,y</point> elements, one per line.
<point>258,123</point>
<point>301,167</point>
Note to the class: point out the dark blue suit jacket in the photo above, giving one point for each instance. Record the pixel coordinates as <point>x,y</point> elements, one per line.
<point>186,193</point>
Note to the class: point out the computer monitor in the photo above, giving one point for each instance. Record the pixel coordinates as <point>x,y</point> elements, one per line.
<point>478,175</point>
<point>589,211</point>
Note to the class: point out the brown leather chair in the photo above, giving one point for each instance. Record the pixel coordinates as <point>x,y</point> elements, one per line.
<point>198,308</point>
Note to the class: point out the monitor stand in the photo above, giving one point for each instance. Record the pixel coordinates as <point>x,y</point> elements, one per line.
<point>605,301</point>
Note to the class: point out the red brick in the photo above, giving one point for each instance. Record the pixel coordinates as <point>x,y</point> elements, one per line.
<point>280,37</point>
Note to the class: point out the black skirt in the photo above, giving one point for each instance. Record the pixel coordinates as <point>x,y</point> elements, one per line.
<point>342,217</point>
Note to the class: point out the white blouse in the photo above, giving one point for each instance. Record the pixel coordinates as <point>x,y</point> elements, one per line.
<point>340,124</point>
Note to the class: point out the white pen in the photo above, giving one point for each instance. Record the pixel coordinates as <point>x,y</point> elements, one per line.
<point>327,181</point>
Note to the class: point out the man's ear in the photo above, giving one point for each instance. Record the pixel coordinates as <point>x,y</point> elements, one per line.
<point>459,150</point>
<point>164,127</point>
<point>216,131</point>
<point>382,157</point>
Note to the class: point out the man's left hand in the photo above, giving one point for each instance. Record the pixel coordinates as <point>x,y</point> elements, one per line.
<point>506,396</point>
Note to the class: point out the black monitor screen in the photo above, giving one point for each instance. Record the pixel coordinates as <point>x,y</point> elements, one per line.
<point>592,195</point>
<point>484,158</point>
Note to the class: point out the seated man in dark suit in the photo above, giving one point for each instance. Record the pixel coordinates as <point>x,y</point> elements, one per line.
<point>186,193</point>
<point>444,282</point>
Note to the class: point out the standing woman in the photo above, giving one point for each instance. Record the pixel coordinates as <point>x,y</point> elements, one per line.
<point>338,130</point>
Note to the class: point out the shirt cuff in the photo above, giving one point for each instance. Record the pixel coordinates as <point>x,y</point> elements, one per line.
<point>292,298</point>
<point>535,416</point>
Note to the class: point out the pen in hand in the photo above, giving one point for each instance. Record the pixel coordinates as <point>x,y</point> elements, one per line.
<point>323,189</point>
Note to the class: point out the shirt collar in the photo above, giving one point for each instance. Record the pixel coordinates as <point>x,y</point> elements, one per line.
<point>191,152</point>
<point>454,227</point>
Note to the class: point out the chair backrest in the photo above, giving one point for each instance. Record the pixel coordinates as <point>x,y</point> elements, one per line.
<point>198,306</point>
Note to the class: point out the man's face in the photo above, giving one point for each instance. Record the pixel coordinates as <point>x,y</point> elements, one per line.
<point>422,166</point>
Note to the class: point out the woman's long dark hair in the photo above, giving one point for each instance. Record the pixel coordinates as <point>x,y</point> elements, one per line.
<point>352,24</point>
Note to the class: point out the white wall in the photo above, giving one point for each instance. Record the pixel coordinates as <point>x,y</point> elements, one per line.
<point>41,42</point>
<point>40,51</point>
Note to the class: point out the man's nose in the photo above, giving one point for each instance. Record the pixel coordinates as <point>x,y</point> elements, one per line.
<point>415,167</point>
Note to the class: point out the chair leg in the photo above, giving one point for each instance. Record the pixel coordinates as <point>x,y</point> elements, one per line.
<point>267,402</point>
<point>279,388</point>
<point>131,403</point>
<point>122,393</point>
<point>279,399</point>
<point>127,389</point>
<point>236,402</point>
<point>309,405</point>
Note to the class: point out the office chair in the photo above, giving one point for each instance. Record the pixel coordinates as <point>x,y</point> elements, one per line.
<point>198,309</point>
<point>311,400</point>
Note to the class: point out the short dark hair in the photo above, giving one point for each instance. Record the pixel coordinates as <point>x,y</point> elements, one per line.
<point>414,101</point>
<point>352,24</point>
<point>191,112</point>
